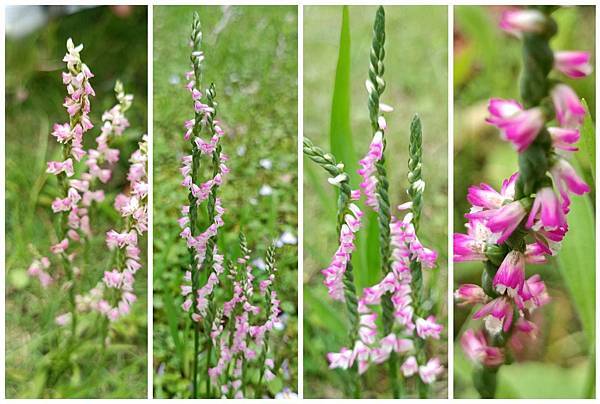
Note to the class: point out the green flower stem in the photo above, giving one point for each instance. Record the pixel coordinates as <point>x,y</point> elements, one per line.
<point>384,216</point>
<point>415,191</point>
<point>329,164</point>
<point>534,163</point>
<point>270,269</point>
<point>196,38</point>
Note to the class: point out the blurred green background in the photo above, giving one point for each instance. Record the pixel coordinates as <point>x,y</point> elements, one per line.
<point>114,48</point>
<point>487,63</point>
<point>417,82</point>
<point>251,56</point>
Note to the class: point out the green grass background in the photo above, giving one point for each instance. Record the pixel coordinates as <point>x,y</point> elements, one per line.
<point>34,94</point>
<point>416,76</point>
<point>487,63</point>
<point>251,56</point>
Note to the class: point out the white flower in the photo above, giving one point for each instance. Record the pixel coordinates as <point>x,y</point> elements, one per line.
<point>259,263</point>
<point>266,164</point>
<point>288,238</point>
<point>286,394</point>
<point>265,190</point>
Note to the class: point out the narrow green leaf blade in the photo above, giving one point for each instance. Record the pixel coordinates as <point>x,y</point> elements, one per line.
<point>172,316</point>
<point>340,131</point>
<point>587,154</point>
<point>577,263</point>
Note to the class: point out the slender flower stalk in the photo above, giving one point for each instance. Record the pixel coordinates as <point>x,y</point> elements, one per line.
<point>72,220</point>
<point>415,192</point>
<point>375,87</point>
<point>527,220</point>
<point>339,277</point>
<point>204,266</point>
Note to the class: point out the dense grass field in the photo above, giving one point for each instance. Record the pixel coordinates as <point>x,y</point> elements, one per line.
<point>251,57</point>
<point>416,76</point>
<point>34,94</point>
<point>487,63</point>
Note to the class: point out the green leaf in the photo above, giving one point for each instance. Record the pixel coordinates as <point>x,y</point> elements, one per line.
<point>340,132</point>
<point>541,380</point>
<point>325,313</point>
<point>587,154</point>
<point>172,317</point>
<point>577,262</point>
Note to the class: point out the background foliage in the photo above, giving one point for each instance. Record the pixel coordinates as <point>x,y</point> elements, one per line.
<point>34,94</point>
<point>487,63</point>
<point>251,56</point>
<point>416,77</point>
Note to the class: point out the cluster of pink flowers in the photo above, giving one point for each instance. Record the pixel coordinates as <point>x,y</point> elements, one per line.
<point>334,273</point>
<point>244,339</point>
<point>80,193</point>
<point>239,329</point>
<point>375,153</point>
<point>134,209</point>
<point>368,170</point>
<point>204,115</point>
<point>371,347</point>
<point>495,216</point>
<point>70,135</point>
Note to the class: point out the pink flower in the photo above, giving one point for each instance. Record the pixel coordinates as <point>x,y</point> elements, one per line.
<point>497,314</point>
<point>501,109</point>
<point>526,326</point>
<point>533,294</point>
<point>409,367</point>
<point>470,294</point>
<point>510,276</point>
<point>343,360</point>
<point>368,329</point>
<point>428,328</point>
<point>551,215</point>
<point>535,253</point>
<point>568,108</point>
<point>429,372</point>
<point>368,170</point>
<point>575,64</point>
<point>517,125</point>
<point>566,180</point>
<point>57,167</point>
<point>60,247</point>
<point>564,138</point>
<point>61,132</point>
<point>63,319</point>
<point>517,22</point>
<point>477,349</point>
<point>506,219</point>
<point>472,246</point>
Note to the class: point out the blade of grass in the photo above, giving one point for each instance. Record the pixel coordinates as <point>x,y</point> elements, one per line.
<point>577,263</point>
<point>340,139</point>
<point>340,131</point>
<point>172,316</point>
<point>587,157</point>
